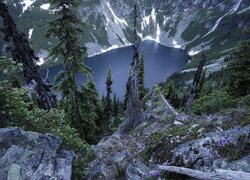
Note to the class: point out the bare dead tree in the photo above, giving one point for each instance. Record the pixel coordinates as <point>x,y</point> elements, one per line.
<point>195,84</point>
<point>134,115</point>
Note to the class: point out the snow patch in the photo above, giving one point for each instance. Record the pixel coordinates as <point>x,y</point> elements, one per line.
<point>158,33</point>
<point>117,20</point>
<point>165,20</point>
<point>175,44</point>
<point>40,62</point>
<point>42,54</point>
<point>153,14</point>
<point>26,4</point>
<point>244,10</point>
<point>45,6</point>
<point>235,7</point>
<point>215,25</point>
<point>148,38</point>
<point>109,49</point>
<point>30,33</point>
<point>192,52</point>
<point>231,11</point>
<point>146,19</point>
<point>217,65</point>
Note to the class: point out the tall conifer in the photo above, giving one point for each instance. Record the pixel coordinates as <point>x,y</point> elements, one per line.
<point>108,102</point>
<point>66,28</point>
<point>142,88</point>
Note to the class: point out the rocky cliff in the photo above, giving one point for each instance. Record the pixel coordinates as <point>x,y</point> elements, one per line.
<point>30,155</point>
<point>219,143</point>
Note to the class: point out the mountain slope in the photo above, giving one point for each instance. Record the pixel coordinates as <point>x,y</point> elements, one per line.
<point>194,26</point>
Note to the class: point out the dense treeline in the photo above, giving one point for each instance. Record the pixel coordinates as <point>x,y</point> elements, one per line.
<point>217,91</point>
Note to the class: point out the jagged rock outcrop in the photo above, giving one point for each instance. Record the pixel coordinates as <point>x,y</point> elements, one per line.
<point>204,144</point>
<point>30,155</point>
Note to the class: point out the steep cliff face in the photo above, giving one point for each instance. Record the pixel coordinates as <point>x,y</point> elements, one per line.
<point>31,155</point>
<point>192,25</point>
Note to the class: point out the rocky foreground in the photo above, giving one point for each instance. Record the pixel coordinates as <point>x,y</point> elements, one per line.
<point>167,145</point>
<point>30,155</point>
<point>217,145</point>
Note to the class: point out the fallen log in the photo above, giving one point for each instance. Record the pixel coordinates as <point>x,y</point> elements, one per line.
<point>218,174</point>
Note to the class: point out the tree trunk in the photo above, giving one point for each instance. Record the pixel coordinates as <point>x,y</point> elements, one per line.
<point>134,115</point>
<point>195,85</point>
<point>219,174</point>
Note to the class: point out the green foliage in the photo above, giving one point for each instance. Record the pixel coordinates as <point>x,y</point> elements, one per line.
<point>66,28</point>
<point>170,93</point>
<point>13,101</point>
<point>17,109</point>
<point>89,124</point>
<point>245,101</point>
<point>142,88</point>
<point>235,151</point>
<point>239,72</point>
<point>108,102</point>
<point>120,172</point>
<point>83,109</point>
<point>213,103</point>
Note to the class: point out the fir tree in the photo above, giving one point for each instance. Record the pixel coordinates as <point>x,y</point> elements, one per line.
<point>142,89</point>
<point>108,102</point>
<point>239,72</point>
<point>66,28</point>
<point>115,106</point>
<point>89,125</point>
<point>169,90</point>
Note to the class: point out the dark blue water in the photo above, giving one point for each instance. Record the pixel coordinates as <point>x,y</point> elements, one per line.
<point>160,63</point>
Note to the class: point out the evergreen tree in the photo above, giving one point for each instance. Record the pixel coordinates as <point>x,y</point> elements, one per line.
<point>89,125</point>
<point>66,28</point>
<point>115,106</point>
<point>108,102</point>
<point>142,89</point>
<point>22,53</point>
<point>239,72</point>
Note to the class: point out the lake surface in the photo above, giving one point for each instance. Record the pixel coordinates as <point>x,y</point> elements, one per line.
<point>160,62</point>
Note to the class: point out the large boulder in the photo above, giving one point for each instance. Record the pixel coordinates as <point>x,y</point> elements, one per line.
<point>31,155</point>
<point>216,150</point>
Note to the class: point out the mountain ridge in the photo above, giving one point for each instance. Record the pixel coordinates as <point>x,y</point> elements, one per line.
<point>194,26</point>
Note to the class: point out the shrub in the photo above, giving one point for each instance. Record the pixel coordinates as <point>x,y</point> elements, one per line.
<point>245,101</point>
<point>17,109</point>
<point>213,103</point>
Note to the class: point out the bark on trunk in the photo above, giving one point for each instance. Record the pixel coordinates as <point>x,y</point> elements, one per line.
<point>134,115</point>
<point>219,174</point>
<point>195,85</point>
